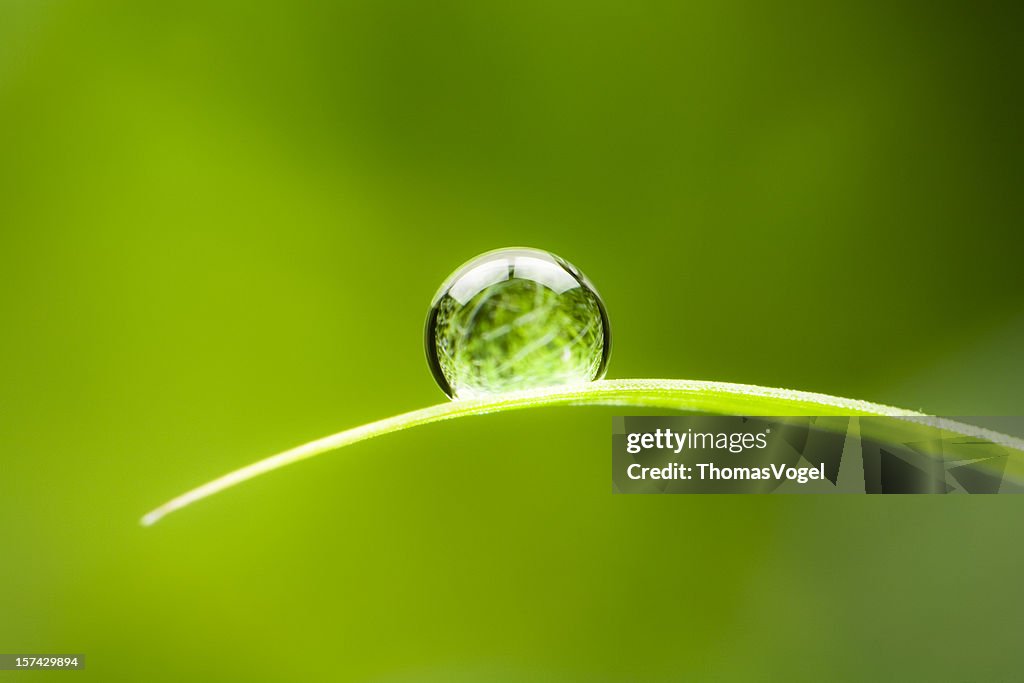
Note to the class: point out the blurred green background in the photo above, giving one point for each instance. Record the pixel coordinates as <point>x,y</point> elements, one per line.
<point>221,225</point>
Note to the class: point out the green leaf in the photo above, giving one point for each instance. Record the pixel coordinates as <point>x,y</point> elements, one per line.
<point>679,395</point>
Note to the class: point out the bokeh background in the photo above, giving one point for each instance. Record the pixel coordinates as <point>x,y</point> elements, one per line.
<point>221,225</point>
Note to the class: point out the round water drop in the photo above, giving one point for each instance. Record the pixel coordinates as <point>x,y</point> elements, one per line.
<point>515,319</point>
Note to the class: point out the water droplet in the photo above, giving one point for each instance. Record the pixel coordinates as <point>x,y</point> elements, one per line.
<point>516,319</point>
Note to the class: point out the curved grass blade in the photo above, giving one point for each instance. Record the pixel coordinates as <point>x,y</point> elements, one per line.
<point>681,395</point>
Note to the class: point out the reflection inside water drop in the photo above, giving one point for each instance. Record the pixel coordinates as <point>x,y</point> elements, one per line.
<point>515,319</point>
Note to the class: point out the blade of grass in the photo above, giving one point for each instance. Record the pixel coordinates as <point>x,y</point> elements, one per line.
<point>681,395</point>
